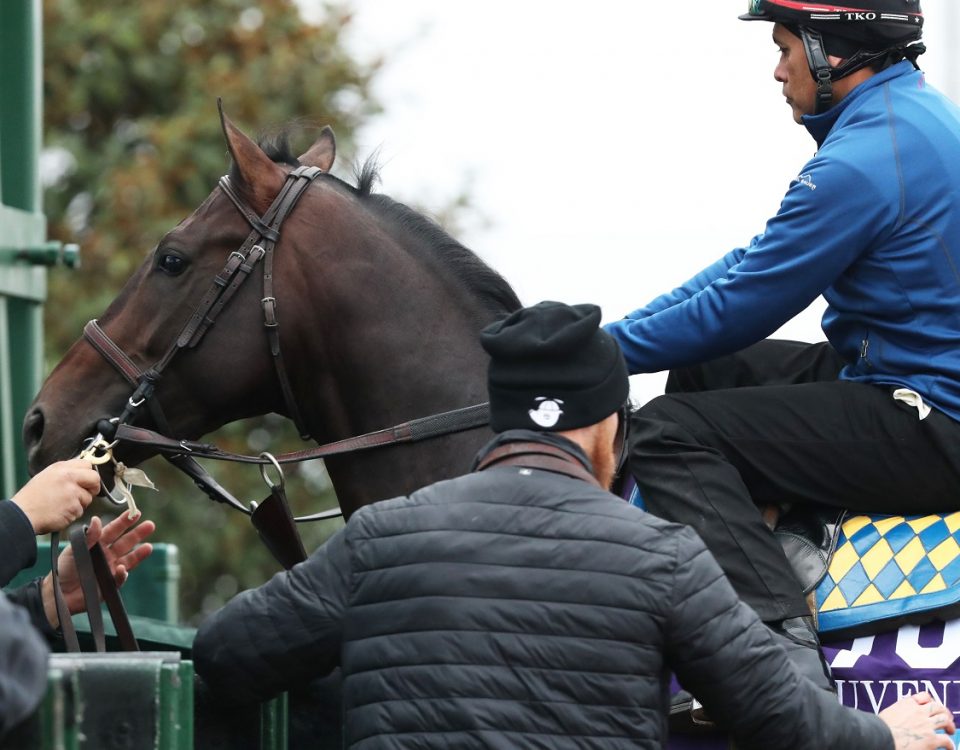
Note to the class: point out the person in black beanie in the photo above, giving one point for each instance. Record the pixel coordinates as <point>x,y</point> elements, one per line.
<point>525,606</point>
<point>553,370</point>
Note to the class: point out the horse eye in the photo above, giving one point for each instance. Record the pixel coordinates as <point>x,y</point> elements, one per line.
<point>172,264</point>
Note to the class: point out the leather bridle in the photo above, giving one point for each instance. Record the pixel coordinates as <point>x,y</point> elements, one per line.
<point>258,247</point>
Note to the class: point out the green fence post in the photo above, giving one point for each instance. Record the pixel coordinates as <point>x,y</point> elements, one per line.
<point>22,285</point>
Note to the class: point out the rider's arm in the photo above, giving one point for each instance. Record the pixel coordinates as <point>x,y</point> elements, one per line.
<point>280,635</point>
<point>726,657</point>
<point>810,243</point>
<point>685,291</point>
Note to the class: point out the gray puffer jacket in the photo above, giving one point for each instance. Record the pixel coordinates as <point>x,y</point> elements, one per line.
<point>519,608</point>
<point>23,666</point>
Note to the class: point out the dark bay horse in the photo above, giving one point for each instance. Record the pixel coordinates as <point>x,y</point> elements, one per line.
<point>379,312</point>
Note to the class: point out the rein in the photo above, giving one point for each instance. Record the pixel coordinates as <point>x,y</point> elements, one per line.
<point>258,246</point>
<point>445,423</point>
<point>182,453</point>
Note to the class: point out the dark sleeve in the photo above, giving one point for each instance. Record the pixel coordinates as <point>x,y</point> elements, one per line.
<point>18,544</point>
<point>723,654</point>
<point>30,597</point>
<point>23,666</point>
<point>280,635</point>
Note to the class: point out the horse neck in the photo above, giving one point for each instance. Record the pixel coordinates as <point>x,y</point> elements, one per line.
<point>384,348</point>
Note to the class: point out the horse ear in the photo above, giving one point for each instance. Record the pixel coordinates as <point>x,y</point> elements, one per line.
<point>323,151</point>
<point>261,178</point>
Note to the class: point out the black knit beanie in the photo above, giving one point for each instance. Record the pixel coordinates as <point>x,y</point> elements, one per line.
<point>552,368</point>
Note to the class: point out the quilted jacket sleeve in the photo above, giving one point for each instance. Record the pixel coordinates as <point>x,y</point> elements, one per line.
<point>282,634</point>
<point>30,597</point>
<point>23,666</point>
<point>723,654</point>
<point>18,545</point>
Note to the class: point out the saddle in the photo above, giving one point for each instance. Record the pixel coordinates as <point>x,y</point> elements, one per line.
<point>888,571</point>
<point>868,573</point>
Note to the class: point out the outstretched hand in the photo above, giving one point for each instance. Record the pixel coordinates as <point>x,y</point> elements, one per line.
<point>123,546</point>
<point>914,720</point>
<point>58,495</point>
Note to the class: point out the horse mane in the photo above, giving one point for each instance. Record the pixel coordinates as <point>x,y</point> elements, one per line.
<point>444,253</point>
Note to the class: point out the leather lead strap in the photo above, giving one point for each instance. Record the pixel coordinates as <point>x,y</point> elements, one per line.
<point>96,580</point>
<point>88,585</point>
<point>63,614</point>
<point>111,597</point>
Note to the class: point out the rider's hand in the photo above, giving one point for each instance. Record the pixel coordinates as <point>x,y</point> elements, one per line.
<point>914,720</point>
<point>120,539</point>
<point>58,495</point>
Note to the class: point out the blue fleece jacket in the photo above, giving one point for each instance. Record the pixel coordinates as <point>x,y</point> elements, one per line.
<point>872,223</point>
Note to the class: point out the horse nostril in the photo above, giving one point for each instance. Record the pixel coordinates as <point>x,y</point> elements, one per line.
<point>33,429</point>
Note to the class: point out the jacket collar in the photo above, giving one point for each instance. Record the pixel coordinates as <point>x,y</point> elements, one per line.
<point>819,126</point>
<point>531,436</point>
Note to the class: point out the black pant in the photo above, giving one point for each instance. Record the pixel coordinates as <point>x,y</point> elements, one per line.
<point>772,425</point>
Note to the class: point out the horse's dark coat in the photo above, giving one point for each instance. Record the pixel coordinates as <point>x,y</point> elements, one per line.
<point>379,314</point>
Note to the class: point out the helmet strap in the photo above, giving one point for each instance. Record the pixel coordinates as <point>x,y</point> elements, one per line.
<point>824,74</point>
<point>820,68</point>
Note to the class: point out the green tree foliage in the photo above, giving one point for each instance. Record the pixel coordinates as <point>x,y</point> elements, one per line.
<point>133,144</point>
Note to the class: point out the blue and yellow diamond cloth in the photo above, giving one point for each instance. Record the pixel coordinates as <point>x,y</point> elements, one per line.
<point>890,567</point>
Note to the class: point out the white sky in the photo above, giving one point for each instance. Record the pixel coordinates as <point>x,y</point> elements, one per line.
<point>610,151</point>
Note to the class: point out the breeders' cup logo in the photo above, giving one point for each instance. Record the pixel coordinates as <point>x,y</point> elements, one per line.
<point>548,411</point>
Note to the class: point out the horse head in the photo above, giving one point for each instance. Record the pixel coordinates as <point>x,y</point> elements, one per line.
<point>374,309</point>
<point>151,310</point>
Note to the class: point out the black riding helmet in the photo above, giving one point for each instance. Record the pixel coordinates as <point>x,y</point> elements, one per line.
<point>875,32</point>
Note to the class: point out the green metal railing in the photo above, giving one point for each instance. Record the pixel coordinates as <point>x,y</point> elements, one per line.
<point>24,248</point>
<point>93,700</point>
<point>23,286</point>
